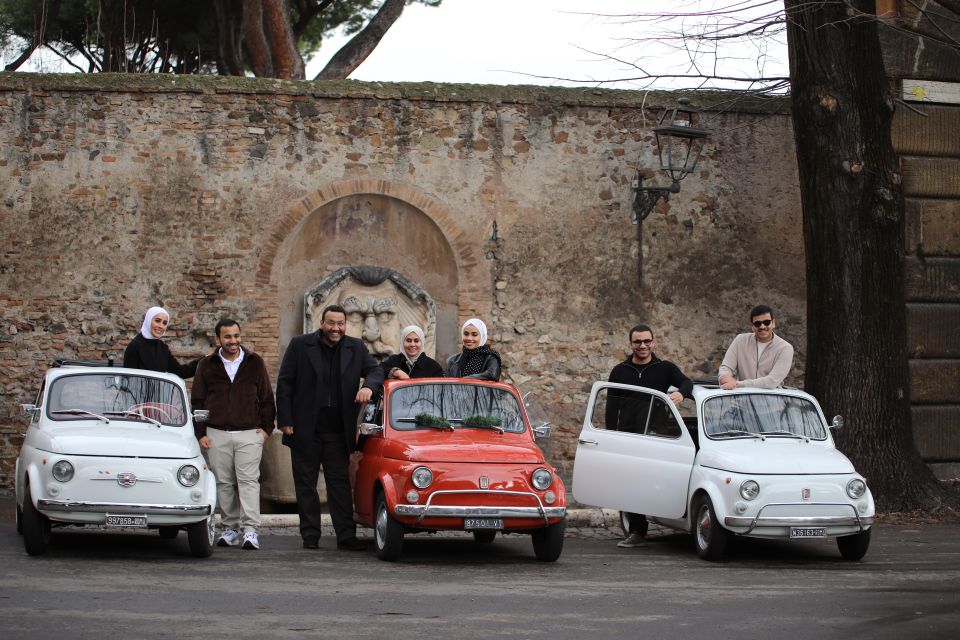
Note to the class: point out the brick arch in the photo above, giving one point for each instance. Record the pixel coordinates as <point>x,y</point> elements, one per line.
<point>473,290</point>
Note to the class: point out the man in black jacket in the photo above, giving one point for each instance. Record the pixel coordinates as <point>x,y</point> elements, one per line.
<point>317,407</point>
<point>627,411</point>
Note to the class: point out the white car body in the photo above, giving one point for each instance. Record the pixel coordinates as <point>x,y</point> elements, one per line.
<point>678,477</point>
<point>127,470</point>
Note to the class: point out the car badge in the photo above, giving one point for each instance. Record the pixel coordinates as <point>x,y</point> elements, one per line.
<point>484,482</point>
<point>126,479</point>
<point>805,494</point>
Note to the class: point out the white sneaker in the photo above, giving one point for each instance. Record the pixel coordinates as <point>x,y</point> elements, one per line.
<point>250,540</point>
<point>229,538</point>
<point>632,540</point>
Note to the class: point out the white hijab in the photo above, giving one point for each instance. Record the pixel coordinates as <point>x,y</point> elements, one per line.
<point>152,312</point>
<point>478,324</point>
<point>403,336</point>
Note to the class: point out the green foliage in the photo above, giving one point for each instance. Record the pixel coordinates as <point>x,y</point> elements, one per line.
<point>429,420</point>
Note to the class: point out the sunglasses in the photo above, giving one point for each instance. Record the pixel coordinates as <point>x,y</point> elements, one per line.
<point>761,323</point>
<point>639,342</point>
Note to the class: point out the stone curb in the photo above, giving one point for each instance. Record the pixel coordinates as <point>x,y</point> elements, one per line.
<point>602,518</point>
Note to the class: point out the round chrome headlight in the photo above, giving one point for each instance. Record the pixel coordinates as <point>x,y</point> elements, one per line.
<point>188,475</point>
<point>62,471</point>
<point>749,489</point>
<point>856,488</point>
<point>542,479</point>
<point>422,477</point>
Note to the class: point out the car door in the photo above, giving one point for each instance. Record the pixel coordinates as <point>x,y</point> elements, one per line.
<point>634,454</point>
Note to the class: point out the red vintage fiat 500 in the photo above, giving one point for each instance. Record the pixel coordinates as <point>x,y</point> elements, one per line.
<point>455,454</point>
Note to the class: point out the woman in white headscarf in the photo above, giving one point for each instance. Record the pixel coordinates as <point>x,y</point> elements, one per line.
<point>476,360</point>
<point>147,351</point>
<point>412,362</point>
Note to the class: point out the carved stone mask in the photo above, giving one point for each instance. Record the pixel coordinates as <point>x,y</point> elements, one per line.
<point>373,315</point>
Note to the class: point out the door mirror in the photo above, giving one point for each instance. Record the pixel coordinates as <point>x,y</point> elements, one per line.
<point>29,409</point>
<point>542,431</point>
<point>370,429</point>
<point>200,415</point>
<point>837,422</point>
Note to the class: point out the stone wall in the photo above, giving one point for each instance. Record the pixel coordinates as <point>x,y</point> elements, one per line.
<point>216,196</point>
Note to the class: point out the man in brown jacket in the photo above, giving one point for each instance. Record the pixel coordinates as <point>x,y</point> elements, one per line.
<point>233,385</point>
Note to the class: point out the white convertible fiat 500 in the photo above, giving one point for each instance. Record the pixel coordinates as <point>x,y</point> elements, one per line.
<point>751,462</point>
<point>115,448</point>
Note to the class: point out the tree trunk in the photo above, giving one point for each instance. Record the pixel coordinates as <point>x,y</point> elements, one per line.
<point>352,54</point>
<point>229,25</point>
<point>287,62</point>
<point>255,39</point>
<point>853,223</point>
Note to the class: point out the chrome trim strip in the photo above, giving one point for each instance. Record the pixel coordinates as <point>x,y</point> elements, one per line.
<point>430,510</point>
<point>139,479</point>
<point>800,521</point>
<point>123,508</point>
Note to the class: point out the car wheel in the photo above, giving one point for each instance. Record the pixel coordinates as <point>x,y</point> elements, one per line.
<point>548,541</point>
<point>200,535</point>
<point>387,532</point>
<point>19,520</point>
<point>625,525</point>
<point>169,533</point>
<point>710,537</point>
<point>854,547</point>
<point>36,528</point>
<point>484,537</point>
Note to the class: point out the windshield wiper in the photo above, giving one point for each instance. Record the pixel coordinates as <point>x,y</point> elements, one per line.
<point>477,425</point>
<point>433,425</point>
<point>134,413</point>
<point>737,432</point>
<point>789,434</point>
<point>80,412</point>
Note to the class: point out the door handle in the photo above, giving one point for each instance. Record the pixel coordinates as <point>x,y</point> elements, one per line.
<point>585,441</point>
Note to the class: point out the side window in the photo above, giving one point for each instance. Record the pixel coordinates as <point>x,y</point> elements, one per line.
<point>36,414</point>
<point>662,423</point>
<point>621,410</point>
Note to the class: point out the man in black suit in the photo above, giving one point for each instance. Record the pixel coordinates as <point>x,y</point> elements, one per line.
<point>317,407</point>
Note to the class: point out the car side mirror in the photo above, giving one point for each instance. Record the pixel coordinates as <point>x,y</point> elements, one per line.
<point>201,415</point>
<point>837,422</point>
<point>29,409</point>
<point>370,429</point>
<point>542,430</point>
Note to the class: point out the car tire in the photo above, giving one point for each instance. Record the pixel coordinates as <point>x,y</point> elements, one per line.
<point>19,520</point>
<point>169,533</point>
<point>854,547</point>
<point>387,532</point>
<point>548,541</point>
<point>709,536</point>
<point>625,525</point>
<point>484,537</point>
<point>200,535</point>
<point>36,528</point>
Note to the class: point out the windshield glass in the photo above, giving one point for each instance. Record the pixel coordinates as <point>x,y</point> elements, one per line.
<point>748,415</point>
<point>116,397</point>
<point>460,406</point>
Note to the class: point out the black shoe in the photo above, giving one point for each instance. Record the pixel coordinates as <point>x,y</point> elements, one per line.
<point>311,542</point>
<point>352,544</point>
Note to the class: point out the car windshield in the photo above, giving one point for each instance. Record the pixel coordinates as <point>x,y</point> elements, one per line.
<point>447,406</point>
<point>751,415</point>
<point>116,397</point>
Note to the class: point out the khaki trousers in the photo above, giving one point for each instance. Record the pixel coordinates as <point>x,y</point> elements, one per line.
<point>235,460</point>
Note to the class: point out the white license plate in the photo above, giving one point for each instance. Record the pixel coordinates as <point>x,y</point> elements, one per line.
<point>483,523</point>
<point>136,522</point>
<point>808,532</point>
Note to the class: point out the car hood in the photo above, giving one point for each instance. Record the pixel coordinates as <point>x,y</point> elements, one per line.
<point>466,445</point>
<point>120,439</point>
<point>774,456</point>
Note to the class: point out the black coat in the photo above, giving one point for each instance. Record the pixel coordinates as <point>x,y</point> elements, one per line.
<point>297,386</point>
<point>424,367</point>
<point>154,355</point>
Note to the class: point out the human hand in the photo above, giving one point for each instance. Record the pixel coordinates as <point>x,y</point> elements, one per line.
<point>364,395</point>
<point>287,430</point>
<point>205,442</point>
<point>676,397</point>
<point>728,382</point>
<point>263,434</point>
<point>399,374</point>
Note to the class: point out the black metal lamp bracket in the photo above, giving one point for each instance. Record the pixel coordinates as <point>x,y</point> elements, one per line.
<point>646,198</point>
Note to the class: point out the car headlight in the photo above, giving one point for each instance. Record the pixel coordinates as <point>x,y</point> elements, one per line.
<point>542,479</point>
<point>422,477</point>
<point>188,475</point>
<point>856,488</point>
<point>749,489</point>
<point>62,471</point>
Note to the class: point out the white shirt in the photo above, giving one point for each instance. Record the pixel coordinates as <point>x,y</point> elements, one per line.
<point>231,365</point>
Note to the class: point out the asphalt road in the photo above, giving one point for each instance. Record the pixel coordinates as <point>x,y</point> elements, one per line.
<point>103,585</point>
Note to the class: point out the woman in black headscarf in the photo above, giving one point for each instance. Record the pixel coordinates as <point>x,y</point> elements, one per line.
<point>476,360</point>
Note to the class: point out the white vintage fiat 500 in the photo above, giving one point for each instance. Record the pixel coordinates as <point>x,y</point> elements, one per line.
<point>751,462</point>
<point>115,448</point>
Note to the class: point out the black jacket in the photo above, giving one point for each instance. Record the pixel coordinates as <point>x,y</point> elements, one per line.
<point>627,411</point>
<point>424,367</point>
<point>154,355</point>
<point>491,368</point>
<point>297,386</point>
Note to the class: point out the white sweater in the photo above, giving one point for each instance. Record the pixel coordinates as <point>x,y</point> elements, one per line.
<point>741,362</point>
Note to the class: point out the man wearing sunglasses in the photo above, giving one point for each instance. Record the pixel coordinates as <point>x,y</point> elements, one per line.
<point>757,359</point>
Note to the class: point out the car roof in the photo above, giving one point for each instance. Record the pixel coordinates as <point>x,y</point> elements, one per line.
<point>389,385</point>
<point>702,392</point>
<point>70,370</point>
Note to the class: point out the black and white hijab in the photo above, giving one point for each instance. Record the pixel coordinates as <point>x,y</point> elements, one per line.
<point>471,362</point>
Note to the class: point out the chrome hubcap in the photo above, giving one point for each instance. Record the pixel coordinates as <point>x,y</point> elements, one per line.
<point>381,528</point>
<point>703,527</point>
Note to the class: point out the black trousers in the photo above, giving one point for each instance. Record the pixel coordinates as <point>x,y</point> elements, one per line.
<point>327,450</point>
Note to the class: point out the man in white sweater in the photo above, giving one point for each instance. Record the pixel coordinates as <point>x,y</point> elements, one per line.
<point>758,359</point>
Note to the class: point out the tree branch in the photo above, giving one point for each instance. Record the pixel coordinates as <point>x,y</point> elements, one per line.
<point>351,55</point>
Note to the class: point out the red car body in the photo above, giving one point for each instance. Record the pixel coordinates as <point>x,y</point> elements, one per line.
<point>481,476</point>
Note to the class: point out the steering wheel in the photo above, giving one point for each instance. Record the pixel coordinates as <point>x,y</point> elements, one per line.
<point>167,412</point>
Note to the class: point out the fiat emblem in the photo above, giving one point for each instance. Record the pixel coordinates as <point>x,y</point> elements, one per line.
<point>805,494</point>
<point>484,482</point>
<point>126,479</point>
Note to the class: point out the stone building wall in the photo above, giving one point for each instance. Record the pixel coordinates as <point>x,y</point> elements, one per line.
<point>214,196</point>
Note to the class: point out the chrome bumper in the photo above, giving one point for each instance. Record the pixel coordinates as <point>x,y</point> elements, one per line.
<point>124,508</point>
<point>760,520</point>
<point>430,510</point>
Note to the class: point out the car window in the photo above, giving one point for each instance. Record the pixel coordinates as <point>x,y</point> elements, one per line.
<point>752,414</point>
<point>455,406</point>
<point>117,397</point>
<point>634,412</point>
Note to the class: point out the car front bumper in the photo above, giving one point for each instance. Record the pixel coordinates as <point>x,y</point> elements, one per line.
<point>80,506</point>
<point>430,510</point>
<point>760,521</point>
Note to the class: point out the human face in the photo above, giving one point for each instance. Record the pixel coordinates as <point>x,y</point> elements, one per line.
<point>641,343</point>
<point>411,344</point>
<point>767,324</point>
<point>229,339</point>
<point>333,326</point>
<point>158,326</point>
<point>471,337</point>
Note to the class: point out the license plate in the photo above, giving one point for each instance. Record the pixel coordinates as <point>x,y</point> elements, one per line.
<point>808,532</point>
<point>483,523</point>
<point>137,522</point>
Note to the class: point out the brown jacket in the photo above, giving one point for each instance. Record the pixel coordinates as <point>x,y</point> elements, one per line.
<point>245,403</point>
